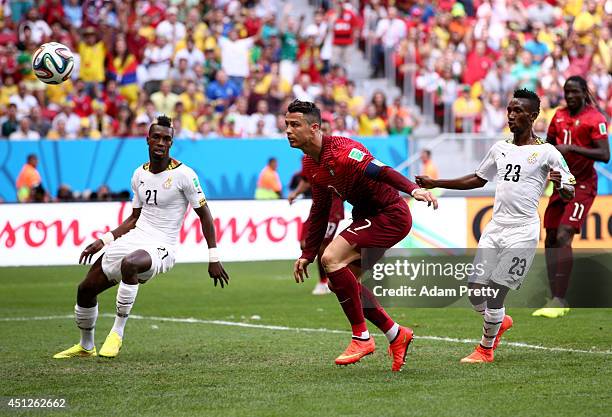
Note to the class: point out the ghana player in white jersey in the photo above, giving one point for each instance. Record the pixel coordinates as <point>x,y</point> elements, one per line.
<point>507,246</point>
<point>144,244</point>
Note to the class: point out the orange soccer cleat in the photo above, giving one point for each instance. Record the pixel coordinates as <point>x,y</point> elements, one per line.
<point>480,355</point>
<point>399,347</point>
<point>506,324</point>
<point>356,350</point>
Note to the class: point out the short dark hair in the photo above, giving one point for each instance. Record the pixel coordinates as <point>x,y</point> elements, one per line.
<point>533,98</point>
<point>310,110</point>
<point>162,120</point>
<point>31,156</point>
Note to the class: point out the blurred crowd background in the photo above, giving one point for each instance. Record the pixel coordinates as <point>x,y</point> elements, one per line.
<point>228,68</point>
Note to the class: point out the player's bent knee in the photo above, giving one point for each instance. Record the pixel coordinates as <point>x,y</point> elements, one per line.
<point>331,262</point>
<point>133,264</point>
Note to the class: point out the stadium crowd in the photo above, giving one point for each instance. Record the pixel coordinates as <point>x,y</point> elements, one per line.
<point>228,68</point>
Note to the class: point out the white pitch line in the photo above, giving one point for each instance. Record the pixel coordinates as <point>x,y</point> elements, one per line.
<point>192,320</point>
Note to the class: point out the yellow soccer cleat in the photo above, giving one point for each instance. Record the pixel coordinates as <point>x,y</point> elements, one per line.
<point>111,346</point>
<point>75,351</point>
<point>551,312</point>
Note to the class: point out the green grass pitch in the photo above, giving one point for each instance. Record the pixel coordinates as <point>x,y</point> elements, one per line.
<point>188,369</point>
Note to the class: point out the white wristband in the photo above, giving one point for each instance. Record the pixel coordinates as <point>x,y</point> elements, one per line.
<point>412,193</point>
<point>213,255</point>
<point>107,238</point>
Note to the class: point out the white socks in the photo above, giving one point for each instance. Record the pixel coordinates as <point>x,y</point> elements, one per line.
<point>480,308</point>
<point>126,295</point>
<point>493,318</point>
<point>391,334</point>
<point>363,336</point>
<point>86,321</point>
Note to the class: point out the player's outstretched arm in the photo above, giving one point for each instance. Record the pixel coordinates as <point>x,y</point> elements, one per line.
<point>93,248</point>
<point>302,187</point>
<point>469,182</point>
<point>215,268</point>
<point>396,180</point>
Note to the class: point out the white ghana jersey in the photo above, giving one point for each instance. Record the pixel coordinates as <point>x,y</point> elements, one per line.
<point>521,173</point>
<point>164,198</point>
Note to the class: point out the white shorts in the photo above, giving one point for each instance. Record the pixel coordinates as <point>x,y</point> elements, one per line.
<point>506,254</point>
<point>162,257</point>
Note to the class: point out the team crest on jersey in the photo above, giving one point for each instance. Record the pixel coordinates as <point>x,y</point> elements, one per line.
<point>533,158</point>
<point>168,183</point>
<point>577,123</point>
<point>356,154</point>
<point>602,128</point>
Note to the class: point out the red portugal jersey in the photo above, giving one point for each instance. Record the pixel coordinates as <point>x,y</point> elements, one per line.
<point>583,129</point>
<point>341,172</point>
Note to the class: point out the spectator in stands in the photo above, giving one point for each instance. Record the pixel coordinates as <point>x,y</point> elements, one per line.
<point>188,122</point>
<point>235,56</point>
<point>289,30</point>
<point>499,80</point>
<point>269,184</point>
<point>345,27</point>
<point>100,121</point>
<point>525,72</point>
<point>180,75</point>
<point>156,64</point>
<point>428,168</point>
<point>305,90</point>
<point>64,194</point>
<point>59,131</point>
<point>23,100</point>
<point>74,13</point>
<point>24,132</point>
<point>72,122</point>
<point>28,178</point>
<point>165,100</point>
<point>379,101</point>
<point>494,116</point>
<point>170,28</point>
<point>478,63</point>
<point>92,52</point>
<point>268,127</point>
<point>371,124</point>
<point>466,110</point>
<point>193,55</point>
<point>180,131</point>
<point>38,122</point>
<point>11,123</point>
<point>39,27</point>
<point>81,100</point>
<point>389,31</point>
<point>122,126</point>
<point>541,12</point>
<point>536,46</point>
<point>222,92</point>
<point>122,67</point>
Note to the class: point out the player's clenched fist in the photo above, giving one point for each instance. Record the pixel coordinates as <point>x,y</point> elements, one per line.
<point>424,181</point>
<point>300,269</point>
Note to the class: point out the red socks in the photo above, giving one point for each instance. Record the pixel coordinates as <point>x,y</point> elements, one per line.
<point>373,311</point>
<point>346,288</point>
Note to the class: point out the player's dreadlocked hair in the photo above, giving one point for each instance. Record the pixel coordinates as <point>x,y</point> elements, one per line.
<point>162,120</point>
<point>589,98</point>
<point>310,111</point>
<point>529,95</point>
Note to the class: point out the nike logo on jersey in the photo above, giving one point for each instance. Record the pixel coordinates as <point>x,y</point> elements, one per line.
<point>141,183</point>
<point>503,154</point>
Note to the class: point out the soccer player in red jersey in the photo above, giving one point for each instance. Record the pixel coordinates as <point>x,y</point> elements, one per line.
<point>381,218</point>
<point>580,133</point>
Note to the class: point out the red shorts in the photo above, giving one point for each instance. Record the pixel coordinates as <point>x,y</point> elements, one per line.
<point>572,213</point>
<point>382,230</point>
